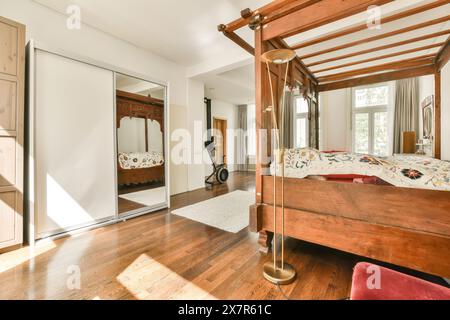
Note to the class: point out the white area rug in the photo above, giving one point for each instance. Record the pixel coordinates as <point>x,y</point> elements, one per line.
<point>147,198</point>
<point>229,212</point>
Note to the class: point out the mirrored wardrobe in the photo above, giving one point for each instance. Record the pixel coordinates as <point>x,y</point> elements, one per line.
<point>141,164</point>
<point>96,144</point>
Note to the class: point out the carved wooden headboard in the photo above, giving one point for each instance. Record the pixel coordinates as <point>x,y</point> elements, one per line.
<point>137,106</point>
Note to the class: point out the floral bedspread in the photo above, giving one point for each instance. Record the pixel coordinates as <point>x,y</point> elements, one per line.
<point>402,171</point>
<point>140,160</point>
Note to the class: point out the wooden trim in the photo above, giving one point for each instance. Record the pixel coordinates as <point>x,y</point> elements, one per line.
<point>388,46</point>
<point>317,14</point>
<point>377,78</point>
<point>443,55</point>
<point>378,37</point>
<point>400,53</point>
<point>12,23</point>
<point>363,26</point>
<point>140,98</point>
<point>273,6</point>
<point>146,136</point>
<point>255,218</point>
<point>288,9</point>
<point>437,115</point>
<point>13,103</point>
<point>397,65</point>
<point>237,39</point>
<point>223,131</point>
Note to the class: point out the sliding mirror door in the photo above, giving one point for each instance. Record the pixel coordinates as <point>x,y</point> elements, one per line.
<point>141,158</point>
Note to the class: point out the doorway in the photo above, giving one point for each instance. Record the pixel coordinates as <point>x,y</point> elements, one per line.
<point>220,137</point>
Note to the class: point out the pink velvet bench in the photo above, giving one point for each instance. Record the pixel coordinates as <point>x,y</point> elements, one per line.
<point>372,282</point>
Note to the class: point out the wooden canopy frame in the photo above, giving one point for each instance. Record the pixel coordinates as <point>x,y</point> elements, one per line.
<point>383,221</point>
<point>284,18</point>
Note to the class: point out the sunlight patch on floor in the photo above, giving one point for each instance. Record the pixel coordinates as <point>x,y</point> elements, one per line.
<point>147,279</point>
<point>15,258</point>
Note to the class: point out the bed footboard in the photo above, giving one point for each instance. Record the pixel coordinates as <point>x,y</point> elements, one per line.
<point>421,251</point>
<point>141,176</point>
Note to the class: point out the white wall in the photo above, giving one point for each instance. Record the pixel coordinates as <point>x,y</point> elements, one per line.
<point>226,111</point>
<point>445,112</point>
<point>131,135</point>
<point>335,119</point>
<point>178,173</point>
<point>49,27</point>
<point>426,88</point>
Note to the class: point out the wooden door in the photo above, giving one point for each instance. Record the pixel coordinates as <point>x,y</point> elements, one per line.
<point>220,138</point>
<point>12,77</point>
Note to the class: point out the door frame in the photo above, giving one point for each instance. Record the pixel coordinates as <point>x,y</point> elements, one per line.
<point>224,136</point>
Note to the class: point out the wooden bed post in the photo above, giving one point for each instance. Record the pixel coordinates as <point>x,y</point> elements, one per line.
<point>265,237</point>
<point>316,95</point>
<point>442,58</point>
<point>259,113</point>
<point>437,114</point>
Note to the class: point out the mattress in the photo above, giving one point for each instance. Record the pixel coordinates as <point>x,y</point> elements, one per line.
<point>140,160</point>
<point>408,171</point>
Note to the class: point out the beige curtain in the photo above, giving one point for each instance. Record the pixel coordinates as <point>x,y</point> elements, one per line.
<point>406,110</point>
<point>242,146</point>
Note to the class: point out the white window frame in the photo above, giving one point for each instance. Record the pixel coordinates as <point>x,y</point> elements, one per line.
<point>371,111</point>
<point>303,115</point>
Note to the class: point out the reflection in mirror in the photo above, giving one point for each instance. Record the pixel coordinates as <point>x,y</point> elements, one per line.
<point>140,141</point>
<point>425,145</point>
<point>427,122</point>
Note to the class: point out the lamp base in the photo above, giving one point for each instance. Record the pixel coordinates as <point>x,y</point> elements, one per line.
<point>279,276</point>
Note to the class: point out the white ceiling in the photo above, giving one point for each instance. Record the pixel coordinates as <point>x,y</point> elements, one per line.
<point>183,31</point>
<point>186,32</point>
<point>138,86</point>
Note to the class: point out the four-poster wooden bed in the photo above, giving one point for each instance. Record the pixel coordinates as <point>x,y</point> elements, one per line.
<point>136,106</point>
<point>404,226</point>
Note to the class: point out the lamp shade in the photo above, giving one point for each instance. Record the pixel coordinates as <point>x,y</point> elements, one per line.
<point>279,56</point>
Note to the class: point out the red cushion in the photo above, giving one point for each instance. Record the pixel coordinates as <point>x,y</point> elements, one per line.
<point>392,285</point>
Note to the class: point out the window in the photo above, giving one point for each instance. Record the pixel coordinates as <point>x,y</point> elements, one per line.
<point>251,128</point>
<point>370,120</point>
<point>301,127</point>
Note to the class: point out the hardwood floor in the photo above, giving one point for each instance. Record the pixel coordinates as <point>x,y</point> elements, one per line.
<point>161,256</point>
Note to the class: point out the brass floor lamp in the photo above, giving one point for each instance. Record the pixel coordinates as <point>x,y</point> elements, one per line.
<point>278,272</point>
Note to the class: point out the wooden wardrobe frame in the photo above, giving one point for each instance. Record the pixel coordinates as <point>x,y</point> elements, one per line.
<point>12,99</point>
<point>406,227</point>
